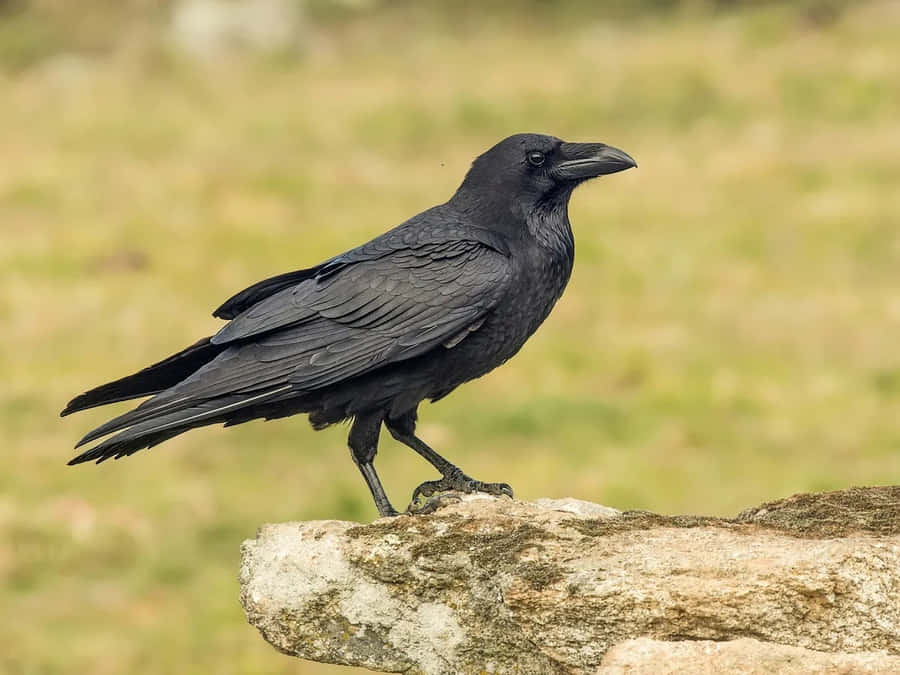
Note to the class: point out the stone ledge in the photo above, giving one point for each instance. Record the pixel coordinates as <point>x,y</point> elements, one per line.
<point>495,585</point>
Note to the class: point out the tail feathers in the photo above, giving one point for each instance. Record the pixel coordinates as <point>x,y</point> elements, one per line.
<point>163,426</point>
<point>123,445</point>
<point>151,380</point>
<point>150,409</point>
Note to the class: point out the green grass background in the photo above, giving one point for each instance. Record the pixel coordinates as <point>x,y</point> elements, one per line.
<point>730,334</point>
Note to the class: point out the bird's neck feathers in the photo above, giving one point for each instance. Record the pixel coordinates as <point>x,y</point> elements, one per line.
<point>516,214</point>
<point>549,224</point>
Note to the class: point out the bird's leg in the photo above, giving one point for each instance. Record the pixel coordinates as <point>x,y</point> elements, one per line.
<point>403,429</point>
<point>363,442</point>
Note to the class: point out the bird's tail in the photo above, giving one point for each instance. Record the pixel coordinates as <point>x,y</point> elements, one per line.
<point>144,428</point>
<point>151,380</point>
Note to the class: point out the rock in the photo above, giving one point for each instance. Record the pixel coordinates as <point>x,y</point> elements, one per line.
<point>493,585</point>
<point>745,656</point>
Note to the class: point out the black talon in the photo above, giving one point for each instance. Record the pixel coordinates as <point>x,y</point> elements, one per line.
<point>431,504</point>
<point>453,479</point>
<point>457,481</point>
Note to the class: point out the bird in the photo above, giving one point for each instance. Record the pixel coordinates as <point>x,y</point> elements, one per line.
<point>366,336</point>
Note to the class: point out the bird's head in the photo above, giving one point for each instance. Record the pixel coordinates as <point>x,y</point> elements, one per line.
<point>527,171</point>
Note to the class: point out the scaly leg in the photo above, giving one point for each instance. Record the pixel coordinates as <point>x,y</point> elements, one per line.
<point>403,429</point>
<point>363,442</point>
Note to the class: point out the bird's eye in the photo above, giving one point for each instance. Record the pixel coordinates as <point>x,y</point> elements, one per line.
<point>535,158</point>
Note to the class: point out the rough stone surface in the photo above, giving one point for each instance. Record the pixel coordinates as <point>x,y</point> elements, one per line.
<point>493,585</point>
<point>745,656</point>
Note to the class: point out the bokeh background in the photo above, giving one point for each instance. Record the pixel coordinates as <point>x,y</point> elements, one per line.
<point>730,334</point>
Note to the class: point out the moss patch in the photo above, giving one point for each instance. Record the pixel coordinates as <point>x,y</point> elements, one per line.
<point>832,514</point>
<point>538,575</point>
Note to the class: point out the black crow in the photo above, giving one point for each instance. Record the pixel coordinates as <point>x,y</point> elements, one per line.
<point>442,299</point>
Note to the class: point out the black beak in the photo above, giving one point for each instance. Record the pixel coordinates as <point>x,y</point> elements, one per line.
<point>581,161</point>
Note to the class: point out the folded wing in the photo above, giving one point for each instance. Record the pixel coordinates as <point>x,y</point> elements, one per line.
<point>351,318</point>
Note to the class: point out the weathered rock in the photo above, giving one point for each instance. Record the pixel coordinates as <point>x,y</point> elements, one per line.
<point>487,585</point>
<point>745,656</point>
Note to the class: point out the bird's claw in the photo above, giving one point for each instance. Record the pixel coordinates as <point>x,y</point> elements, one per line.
<point>457,481</point>
<point>431,504</point>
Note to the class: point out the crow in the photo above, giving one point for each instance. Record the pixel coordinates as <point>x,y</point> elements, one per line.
<point>366,336</point>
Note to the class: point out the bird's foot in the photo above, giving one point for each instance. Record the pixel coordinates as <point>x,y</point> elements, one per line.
<point>432,504</point>
<point>455,481</point>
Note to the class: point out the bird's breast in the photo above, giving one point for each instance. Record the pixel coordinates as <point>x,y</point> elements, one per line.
<point>537,285</point>
<point>542,285</point>
<point>538,282</point>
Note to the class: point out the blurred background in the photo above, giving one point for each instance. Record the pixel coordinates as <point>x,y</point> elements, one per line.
<point>729,335</point>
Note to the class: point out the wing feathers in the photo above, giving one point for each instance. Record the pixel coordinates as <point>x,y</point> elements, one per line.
<point>250,296</point>
<point>150,380</point>
<point>409,277</point>
<point>354,317</point>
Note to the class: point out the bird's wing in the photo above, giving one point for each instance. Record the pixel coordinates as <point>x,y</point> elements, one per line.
<point>382,277</point>
<point>376,311</point>
<point>357,318</point>
<point>240,302</point>
<point>433,227</point>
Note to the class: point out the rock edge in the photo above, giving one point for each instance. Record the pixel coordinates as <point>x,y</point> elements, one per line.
<point>495,585</point>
